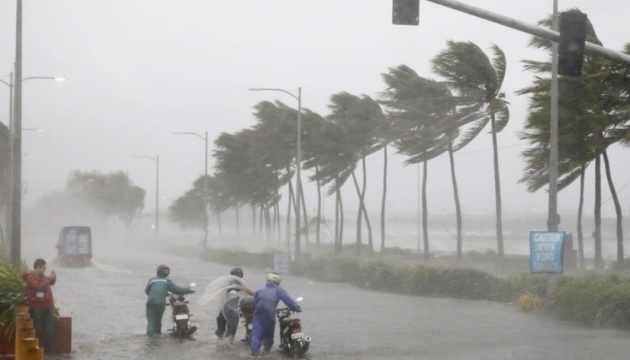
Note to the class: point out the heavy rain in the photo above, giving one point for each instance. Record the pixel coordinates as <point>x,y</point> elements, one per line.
<point>428,179</point>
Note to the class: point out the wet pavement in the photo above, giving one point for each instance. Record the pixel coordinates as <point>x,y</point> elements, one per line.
<point>106,303</point>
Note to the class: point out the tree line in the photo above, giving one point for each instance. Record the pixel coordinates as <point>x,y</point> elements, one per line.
<point>421,118</point>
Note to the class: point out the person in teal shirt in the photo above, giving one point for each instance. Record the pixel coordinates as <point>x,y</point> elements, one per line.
<point>156,290</point>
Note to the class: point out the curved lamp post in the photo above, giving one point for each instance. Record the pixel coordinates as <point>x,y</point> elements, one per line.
<point>298,161</point>
<point>156,160</point>
<point>205,182</point>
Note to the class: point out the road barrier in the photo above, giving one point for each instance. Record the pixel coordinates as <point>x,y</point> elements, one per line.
<point>26,343</point>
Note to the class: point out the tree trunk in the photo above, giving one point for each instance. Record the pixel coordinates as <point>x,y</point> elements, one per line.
<point>359,214</point>
<point>599,261</point>
<point>289,212</point>
<point>425,217</point>
<point>458,210</point>
<point>384,198</point>
<point>319,206</point>
<point>268,224</point>
<point>253,221</point>
<point>613,192</point>
<point>261,221</point>
<point>497,187</point>
<point>579,221</point>
<point>337,217</point>
<point>238,222</point>
<point>219,222</point>
<point>341,221</point>
<point>367,219</point>
<point>305,223</point>
<point>276,210</point>
<point>336,221</point>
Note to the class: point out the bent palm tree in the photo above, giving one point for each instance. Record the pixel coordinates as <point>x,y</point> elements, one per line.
<point>477,81</point>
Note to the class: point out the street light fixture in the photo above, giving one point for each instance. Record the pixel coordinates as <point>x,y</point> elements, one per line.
<point>156,160</point>
<point>298,161</point>
<point>205,182</point>
<point>15,150</point>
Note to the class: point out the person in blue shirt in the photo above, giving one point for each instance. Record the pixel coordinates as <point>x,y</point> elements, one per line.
<point>265,302</point>
<point>156,290</point>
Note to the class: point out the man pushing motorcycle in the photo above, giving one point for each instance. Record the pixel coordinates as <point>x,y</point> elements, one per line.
<point>156,290</point>
<point>266,301</point>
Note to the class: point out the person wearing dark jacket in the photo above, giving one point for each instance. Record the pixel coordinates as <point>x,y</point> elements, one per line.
<point>156,290</point>
<point>266,301</point>
<point>42,304</point>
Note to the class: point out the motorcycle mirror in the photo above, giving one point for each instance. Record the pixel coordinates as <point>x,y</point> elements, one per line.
<point>299,299</point>
<point>192,285</point>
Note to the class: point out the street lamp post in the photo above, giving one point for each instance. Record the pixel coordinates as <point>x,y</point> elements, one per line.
<point>205,183</point>
<point>15,156</point>
<point>298,161</point>
<point>156,160</point>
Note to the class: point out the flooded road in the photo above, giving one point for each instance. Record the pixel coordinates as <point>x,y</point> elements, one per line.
<point>106,303</point>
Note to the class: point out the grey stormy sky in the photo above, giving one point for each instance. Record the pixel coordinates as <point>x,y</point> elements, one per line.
<point>138,70</point>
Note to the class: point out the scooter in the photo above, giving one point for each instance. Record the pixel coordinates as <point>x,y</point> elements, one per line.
<point>246,308</point>
<point>180,314</point>
<point>292,339</point>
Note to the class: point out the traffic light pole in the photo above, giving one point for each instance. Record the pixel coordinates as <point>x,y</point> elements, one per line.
<point>552,216</point>
<point>530,29</point>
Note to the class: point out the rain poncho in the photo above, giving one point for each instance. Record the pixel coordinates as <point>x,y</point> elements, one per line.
<point>217,294</point>
<point>266,301</point>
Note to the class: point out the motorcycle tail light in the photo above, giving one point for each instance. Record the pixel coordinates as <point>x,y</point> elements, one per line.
<point>86,259</point>
<point>69,259</point>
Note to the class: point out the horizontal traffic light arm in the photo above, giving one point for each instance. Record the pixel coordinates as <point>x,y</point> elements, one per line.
<point>530,29</point>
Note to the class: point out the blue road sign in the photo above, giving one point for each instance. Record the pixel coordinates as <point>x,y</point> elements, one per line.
<point>546,252</point>
<point>281,263</point>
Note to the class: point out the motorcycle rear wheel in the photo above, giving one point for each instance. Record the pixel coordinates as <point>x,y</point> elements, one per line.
<point>297,349</point>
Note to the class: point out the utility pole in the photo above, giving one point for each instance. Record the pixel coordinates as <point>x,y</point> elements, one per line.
<point>16,158</point>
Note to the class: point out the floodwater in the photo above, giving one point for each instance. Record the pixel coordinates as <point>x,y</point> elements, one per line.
<point>106,303</point>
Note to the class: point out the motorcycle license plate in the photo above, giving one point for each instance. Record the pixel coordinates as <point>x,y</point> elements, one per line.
<point>297,335</point>
<point>181,316</point>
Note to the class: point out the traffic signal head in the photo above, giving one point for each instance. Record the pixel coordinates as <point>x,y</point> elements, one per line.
<point>405,12</point>
<point>572,40</point>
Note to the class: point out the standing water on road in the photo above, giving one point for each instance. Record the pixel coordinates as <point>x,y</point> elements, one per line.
<point>107,306</point>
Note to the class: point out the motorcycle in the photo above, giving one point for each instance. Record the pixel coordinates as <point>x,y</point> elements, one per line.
<point>246,308</point>
<point>180,315</point>
<point>292,339</point>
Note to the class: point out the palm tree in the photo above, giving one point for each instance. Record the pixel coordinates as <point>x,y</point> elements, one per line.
<point>312,124</point>
<point>361,116</point>
<point>417,107</point>
<point>477,81</point>
<point>335,160</point>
